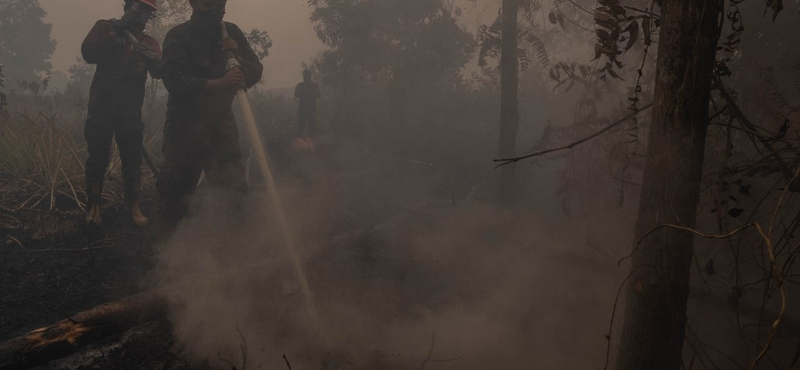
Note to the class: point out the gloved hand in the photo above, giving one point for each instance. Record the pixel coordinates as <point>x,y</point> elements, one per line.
<point>149,55</point>
<point>120,25</point>
<point>151,59</point>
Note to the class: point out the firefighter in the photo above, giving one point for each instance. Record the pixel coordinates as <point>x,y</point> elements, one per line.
<point>115,102</point>
<point>308,93</point>
<point>200,133</point>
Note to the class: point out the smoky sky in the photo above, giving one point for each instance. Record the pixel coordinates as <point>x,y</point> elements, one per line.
<point>286,21</point>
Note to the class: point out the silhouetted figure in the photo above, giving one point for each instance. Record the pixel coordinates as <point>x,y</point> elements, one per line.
<point>308,93</point>
<point>115,102</point>
<point>200,133</point>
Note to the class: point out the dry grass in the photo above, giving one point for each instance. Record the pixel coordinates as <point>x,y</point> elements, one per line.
<point>42,163</point>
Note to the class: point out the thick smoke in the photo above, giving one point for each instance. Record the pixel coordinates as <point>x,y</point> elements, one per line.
<point>389,267</point>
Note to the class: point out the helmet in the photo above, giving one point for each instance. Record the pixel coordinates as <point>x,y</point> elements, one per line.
<point>151,3</point>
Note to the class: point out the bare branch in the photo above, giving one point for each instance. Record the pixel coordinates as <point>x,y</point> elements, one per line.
<point>430,353</point>
<point>573,144</point>
<point>287,362</point>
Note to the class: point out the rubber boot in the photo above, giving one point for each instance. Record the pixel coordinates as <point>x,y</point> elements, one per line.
<point>94,196</point>
<point>133,195</point>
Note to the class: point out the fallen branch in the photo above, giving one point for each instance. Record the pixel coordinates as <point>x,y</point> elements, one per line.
<point>68,336</point>
<point>573,144</point>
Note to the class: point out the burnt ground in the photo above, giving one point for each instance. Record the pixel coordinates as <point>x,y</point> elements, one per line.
<point>52,266</point>
<point>373,221</point>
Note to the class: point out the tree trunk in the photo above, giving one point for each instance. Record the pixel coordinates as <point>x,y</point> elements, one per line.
<point>655,313</point>
<point>509,111</point>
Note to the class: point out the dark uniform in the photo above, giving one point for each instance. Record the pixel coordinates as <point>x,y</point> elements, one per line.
<point>200,133</point>
<point>308,93</point>
<point>115,106</point>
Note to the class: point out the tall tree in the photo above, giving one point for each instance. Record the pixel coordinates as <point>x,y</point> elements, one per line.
<point>25,44</point>
<point>509,104</point>
<point>409,41</point>
<point>655,314</point>
<point>397,49</point>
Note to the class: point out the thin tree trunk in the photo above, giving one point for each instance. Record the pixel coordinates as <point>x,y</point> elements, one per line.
<point>655,314</point>
<point>509,111</point>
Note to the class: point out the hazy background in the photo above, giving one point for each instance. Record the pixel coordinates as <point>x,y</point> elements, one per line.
<point>294,40</point>
<point>393,214</point>
<point>286,21</point>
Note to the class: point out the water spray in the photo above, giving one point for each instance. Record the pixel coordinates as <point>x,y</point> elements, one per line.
<point>273,200</point>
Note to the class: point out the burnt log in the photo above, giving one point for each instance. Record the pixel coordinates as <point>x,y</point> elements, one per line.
<point>70,335</point>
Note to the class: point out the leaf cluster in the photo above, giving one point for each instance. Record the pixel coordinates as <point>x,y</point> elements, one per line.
<point>617,32</point>
<point>25,42</point>
<point>490,39</point>
<point>403,40</point>
<point>260,41</point>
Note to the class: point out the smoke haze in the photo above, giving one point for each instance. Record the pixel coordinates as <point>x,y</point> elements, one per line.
<point>411,261</point>
<point>499,288</point>
<point>286,21</point>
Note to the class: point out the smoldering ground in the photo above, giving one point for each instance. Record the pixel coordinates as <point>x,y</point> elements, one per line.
<point>389,265</point>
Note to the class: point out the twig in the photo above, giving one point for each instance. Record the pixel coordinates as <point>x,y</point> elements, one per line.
<point>243,347</point>
<point>21,247</point>
<point>89,247</point>
<point>66,295</point>
<point>326,361</point>
<point>692,336</point>
<point>643,11</point>
<point>225,360</point>
<point>573,144</point>
<point>684,228</point>
<point>613,314</point>
<point>779,279</point>
<point>287,362</point>
<point>737,112</point>
<point>581,8</point>
<point>61,250</point>
<point>430,353</point>
<point>776,273</point>
<point>74,194</point>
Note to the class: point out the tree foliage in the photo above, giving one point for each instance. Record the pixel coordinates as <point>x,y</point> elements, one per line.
<point>174,12</point>
<point>489,38</point>
<point>80,78</point>
<point>260,42</point>
<point>25,43</point>
<point>170,14</point>
<point>401,40</point>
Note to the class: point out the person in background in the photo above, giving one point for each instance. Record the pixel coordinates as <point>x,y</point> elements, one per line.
<point>308,93</point>
<point>115,102</point>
